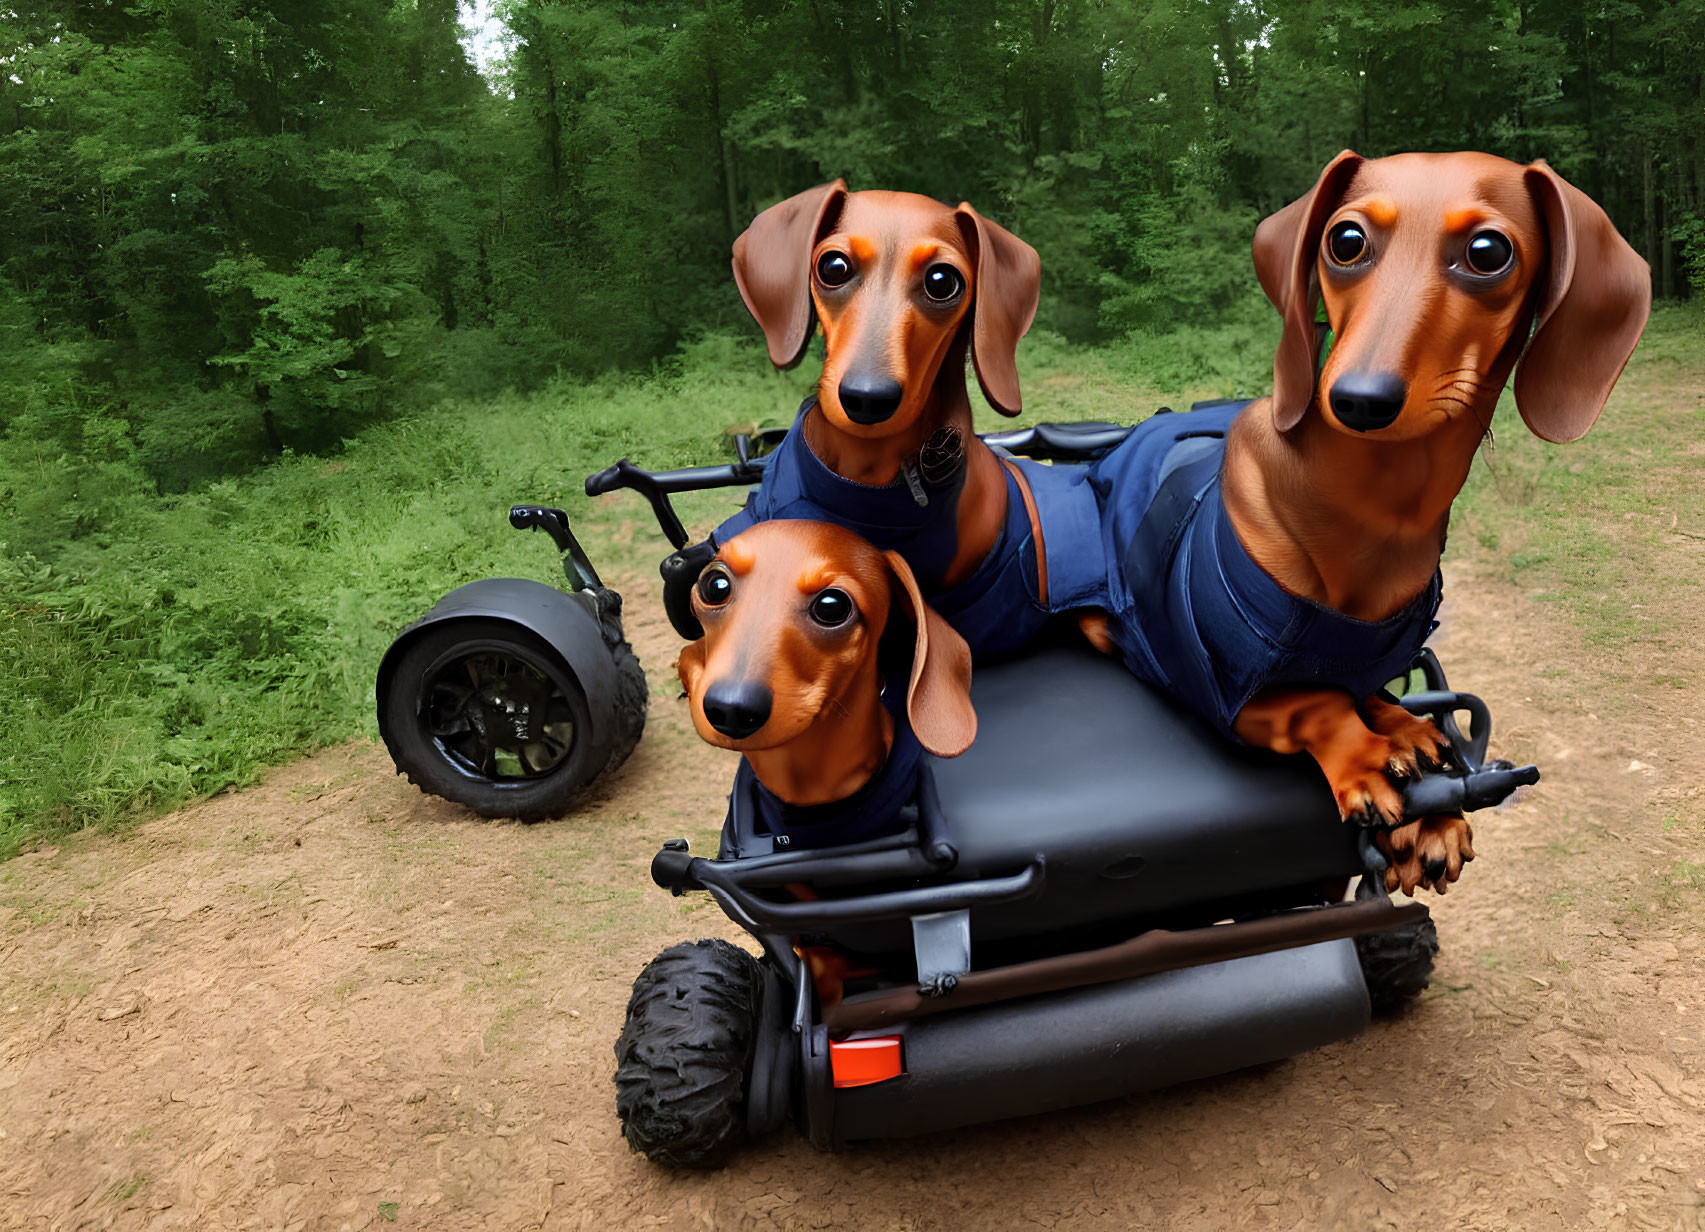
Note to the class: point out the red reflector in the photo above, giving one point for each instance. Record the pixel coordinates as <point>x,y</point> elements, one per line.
<point>860,1062</point>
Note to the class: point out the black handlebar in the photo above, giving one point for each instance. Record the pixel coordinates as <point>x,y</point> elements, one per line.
<point>657,486</point>
<point>1434,795</point>
<point>1480,784</point>
<point>677,869</point>
<point>1047,442</point>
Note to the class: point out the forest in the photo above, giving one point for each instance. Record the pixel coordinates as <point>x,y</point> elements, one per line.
<point>246,244</point>
<point>231,230</point>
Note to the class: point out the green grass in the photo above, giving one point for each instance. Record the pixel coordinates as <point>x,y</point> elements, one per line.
<point>1585,527</point>
<point>191,641</point>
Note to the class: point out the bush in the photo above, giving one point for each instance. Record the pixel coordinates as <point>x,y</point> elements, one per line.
<point>163,647</point>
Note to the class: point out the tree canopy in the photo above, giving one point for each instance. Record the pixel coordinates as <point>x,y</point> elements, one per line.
<point>237,228</point>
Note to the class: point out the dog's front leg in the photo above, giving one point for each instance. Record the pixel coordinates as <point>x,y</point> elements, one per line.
<point>1359,763</point>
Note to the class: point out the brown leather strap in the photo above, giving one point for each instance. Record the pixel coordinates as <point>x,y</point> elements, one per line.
<point>1035,530</point>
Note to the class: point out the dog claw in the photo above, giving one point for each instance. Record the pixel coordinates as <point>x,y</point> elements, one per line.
<point>1428,853</point>
<point>1416,743</point>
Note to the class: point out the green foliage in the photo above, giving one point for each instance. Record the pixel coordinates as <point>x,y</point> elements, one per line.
<point>245,229</point>
<point>186,641</point>
<point>293,301</point>
<point>1689,233</point>
<point>298,350</point>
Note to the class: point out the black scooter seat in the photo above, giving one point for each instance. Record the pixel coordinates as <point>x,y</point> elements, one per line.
<point>1137,807</point>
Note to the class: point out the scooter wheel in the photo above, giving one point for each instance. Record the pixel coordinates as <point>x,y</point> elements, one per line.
<point>633,698</point>
<point>683,1053</point>
<point>488,715</point>
<point>1398,965</point>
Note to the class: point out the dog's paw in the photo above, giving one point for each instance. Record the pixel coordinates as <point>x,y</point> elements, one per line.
<point>1097,632</point>
<point>1360,772</point>
<point>1368,798</point>
<point>1416,742</point>
<point>830,970</point>
<point>1426,854</point>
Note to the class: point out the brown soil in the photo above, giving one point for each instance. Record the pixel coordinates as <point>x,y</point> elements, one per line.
<point>331,1002</point>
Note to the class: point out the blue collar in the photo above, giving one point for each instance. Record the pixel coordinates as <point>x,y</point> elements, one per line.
<point>872,811</point>
<point>898,506</point>
<point>918,518</point>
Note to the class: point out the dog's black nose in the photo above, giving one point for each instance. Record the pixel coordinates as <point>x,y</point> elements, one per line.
<point>869,400</point>
<point>737,708</point>
<point>1365,401</point>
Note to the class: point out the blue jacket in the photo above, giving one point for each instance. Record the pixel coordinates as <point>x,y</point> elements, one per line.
<point>873,811</point>
<point>1002,606</point>
<point>1193,613</point>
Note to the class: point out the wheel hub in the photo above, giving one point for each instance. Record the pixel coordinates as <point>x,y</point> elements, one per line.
<point>497,715</point>
<point>508,712</point>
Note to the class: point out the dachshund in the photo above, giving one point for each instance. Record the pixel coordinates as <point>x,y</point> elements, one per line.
<point>790,673</point>
<point>904,286</point>
<point>1274,566</point>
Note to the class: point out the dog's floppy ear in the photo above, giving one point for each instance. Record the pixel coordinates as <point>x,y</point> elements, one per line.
<point>1285,248</point>
<point>689,665</point>
<point>772,267</point>
<point>1003,304</point>
<point>1597,295</point>
<point>938,700</point>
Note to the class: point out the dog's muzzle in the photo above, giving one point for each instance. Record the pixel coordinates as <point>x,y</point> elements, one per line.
<point>1368,401</point>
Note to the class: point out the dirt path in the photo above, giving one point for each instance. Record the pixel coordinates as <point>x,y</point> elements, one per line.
<point>329,1002</point>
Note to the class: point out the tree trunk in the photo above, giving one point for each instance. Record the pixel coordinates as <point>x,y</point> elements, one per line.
<point>1649,203</point>
<point>725,157</point>
<point>1672,199</point>
<point>553,122</point>
<point>271,425</point>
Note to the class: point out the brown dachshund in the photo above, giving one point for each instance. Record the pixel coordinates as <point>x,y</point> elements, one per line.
<point>903,287</point>
<point>1433,269</point>
<point>788,673</point>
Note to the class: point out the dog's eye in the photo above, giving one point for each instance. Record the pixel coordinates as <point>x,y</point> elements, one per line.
<point>942,283</point>
<point>1489,252</point>
<point>1347,243</point>
<point>715,587</point>
<point>833,269</point>
<point>832,608</point>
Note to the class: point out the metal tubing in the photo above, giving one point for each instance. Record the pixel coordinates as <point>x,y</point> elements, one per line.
<point>1154,951</point>
<point>830,913</point>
